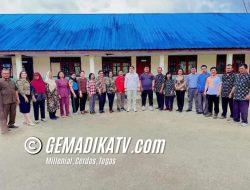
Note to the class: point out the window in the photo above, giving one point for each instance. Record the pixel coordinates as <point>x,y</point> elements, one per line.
<point>68,65</point>
<point>6,63</point>
<point>237,60</point>
<point>221,63</point>
<point>186,62</point>
<point>115,64</point>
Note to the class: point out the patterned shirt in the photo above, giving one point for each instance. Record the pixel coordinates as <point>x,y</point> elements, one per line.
<point>242,86</point>
<point>159,81</point>
<point>180,83</point>
<point>110,85</point>
<point>169,87</point>
<point>23,87</point>
<point>91,87</point>
<point>101,85</point>
<point>227,84</point>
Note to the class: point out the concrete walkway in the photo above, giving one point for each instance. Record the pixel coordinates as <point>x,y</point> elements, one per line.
<point>201,153</point>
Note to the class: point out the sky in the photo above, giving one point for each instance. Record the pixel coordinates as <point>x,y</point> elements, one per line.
<point>121,6</point>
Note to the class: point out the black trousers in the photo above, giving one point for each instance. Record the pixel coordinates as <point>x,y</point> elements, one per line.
<point>144,95</point>
<point>169,101</point>
<point>111,97</point>
<point>213,101</point>
<point>180,95</point>
<point>160,100</point>
<point>75,101</point>
<point>225,102</point>
<point>52,115</point>
<point>102,101</point>
<point>83,101</point>
<point>39,104</point>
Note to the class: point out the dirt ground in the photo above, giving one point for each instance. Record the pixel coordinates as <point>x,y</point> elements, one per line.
<point>201,154</point>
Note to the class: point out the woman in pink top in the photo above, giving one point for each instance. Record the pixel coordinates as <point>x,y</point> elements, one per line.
<point>63,90</point>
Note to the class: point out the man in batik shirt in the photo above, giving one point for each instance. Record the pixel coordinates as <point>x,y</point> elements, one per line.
<point>159,82</point>
<point>227,85</point>
<point>241,93</point>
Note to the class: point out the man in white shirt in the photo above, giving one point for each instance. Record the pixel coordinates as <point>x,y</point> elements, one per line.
<point>131,88</point>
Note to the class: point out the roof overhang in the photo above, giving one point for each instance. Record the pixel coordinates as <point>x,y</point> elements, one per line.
<point>126,52</point>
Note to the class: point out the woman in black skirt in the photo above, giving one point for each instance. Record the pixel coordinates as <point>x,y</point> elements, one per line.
<point>24,93</point>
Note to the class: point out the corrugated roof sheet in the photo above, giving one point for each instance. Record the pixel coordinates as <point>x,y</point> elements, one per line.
<point>39,32</point>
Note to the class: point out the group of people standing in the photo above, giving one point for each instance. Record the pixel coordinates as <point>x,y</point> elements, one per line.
<point>204,89</point>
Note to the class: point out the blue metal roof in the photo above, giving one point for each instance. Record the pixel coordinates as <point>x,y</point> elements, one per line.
<point>40,32</point>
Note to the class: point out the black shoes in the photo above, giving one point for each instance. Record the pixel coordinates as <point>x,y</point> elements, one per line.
<point>188,110</point>
<point>13,126</point>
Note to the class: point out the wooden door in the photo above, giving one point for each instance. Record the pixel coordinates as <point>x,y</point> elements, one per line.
<point>141,63</point>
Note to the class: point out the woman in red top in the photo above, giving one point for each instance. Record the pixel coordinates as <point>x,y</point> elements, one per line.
<point>120,91</point>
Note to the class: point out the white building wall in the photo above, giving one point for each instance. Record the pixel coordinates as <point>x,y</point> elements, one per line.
<point>133,61</point>
<point>42,65</point>
<point>248,59</point>
<point>85,64</point>
<point>98,64</point>
<point>206,59</point>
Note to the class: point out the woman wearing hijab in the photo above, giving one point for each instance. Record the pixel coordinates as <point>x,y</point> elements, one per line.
<point>74,93</point>
<point>24,94</point>
<point>63,91</point>
<point>38,96</point>
<point>52,96</point>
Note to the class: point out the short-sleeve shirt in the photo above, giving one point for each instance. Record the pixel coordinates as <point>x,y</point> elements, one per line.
<point>213,85</point>
<point>242,86</point>
<point>82,84</point>
<point>23,87</point>
<point>101,85</point>
<point>169,87</point>
<point>147,81</point>
<point>228,80</point>
<point>8,90</point>
<point>110,85</point>
<point>159,81</point>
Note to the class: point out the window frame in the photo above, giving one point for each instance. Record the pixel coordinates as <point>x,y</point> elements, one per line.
<point>109,63</point>
<point>68,63</point>
<point>178,59</point>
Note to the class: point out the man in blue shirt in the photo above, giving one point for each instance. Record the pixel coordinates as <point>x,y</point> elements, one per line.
<point>201,82</point>
<point>147,81</point>
<point>191,82</point>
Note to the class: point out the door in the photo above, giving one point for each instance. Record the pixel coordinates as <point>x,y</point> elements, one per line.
<point>27,63</point>
<point>142,62</point>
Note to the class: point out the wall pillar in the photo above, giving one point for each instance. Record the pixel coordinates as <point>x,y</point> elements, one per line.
<point>161,62</point>
<point>229,59</point>
<point>19,65</point>
<point>91,64</point>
